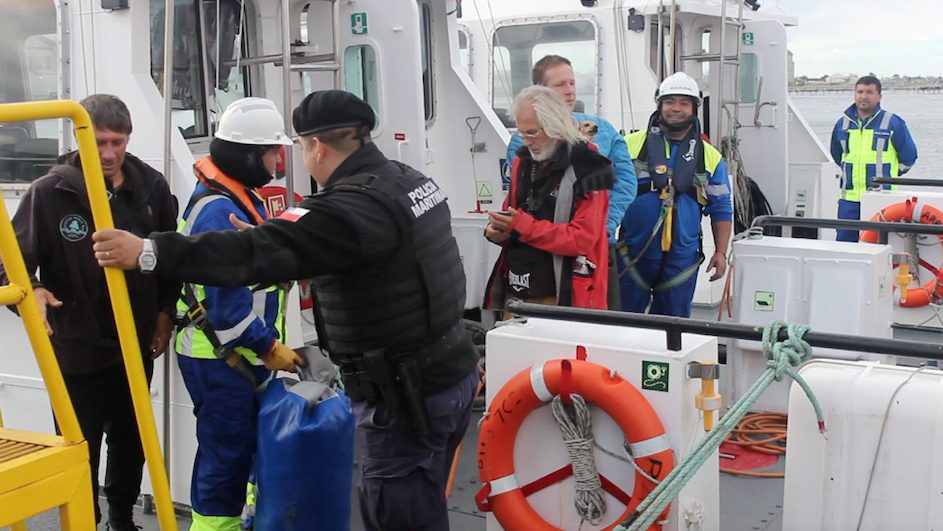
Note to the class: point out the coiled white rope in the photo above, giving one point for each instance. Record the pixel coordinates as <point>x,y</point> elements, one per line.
<point>576,426</point>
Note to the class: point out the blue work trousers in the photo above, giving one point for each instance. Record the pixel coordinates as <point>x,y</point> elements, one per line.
<point>848,210</point>
<point>226,407</point>
<point>402,477</point>
<point>675,301</point>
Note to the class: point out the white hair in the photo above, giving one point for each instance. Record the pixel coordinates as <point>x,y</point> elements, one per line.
<point>553,115</point>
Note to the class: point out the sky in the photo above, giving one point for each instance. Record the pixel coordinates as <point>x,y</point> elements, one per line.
<point>859,36</point>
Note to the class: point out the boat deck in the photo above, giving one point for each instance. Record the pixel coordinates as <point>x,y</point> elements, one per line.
<point>747,503</point>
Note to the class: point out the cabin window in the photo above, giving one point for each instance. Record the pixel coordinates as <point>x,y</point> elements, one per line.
<point>464,51</point>
<point>516,48</point>
<point>428,92</point>
<point>205,78</point>
<point>660,64</point>
<point>749,78</point>
<point>360,75</point>
<point>705,49</point>
<point>30,61</point>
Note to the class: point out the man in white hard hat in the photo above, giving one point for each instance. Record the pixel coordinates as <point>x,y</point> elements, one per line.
<point>229,339</point>
<point>681,177</point>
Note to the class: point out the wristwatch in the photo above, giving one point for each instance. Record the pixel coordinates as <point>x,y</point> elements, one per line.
<point>147,260</point>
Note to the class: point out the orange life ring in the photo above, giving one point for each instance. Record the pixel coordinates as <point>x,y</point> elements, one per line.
<point>534,387</point>
<point>910,211</point>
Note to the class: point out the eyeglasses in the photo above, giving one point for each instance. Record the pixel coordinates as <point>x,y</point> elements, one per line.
<point>530,135</point>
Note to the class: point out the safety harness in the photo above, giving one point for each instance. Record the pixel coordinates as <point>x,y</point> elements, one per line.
<point>687,176</point>
<point>219,186</point>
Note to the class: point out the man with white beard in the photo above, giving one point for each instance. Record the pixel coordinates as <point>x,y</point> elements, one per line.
<point>553,224</point>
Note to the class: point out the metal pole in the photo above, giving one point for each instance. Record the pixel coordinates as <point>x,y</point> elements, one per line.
<point>168,174</point>
<point>675,326</point>
<point>736,77</point>
<point>661,43</point>
<point>671,37</point>
<point>720,72</point>
<point>337,43</point>
<point>286,98</point>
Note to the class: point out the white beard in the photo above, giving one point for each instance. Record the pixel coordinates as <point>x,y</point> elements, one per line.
<point>546,151</point>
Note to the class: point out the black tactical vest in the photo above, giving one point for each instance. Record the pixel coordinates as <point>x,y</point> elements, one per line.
<point>411,304</point>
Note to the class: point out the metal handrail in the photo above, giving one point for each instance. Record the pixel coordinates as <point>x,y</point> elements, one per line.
<point>882,227</point>
<point>908,181</point>
<point>117,291</point>
<point>675,326</point>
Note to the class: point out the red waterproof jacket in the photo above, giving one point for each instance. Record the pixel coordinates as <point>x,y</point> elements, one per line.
<point>583,235</point>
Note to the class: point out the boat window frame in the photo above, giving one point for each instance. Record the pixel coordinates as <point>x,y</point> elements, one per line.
<point>544,20</point>
<point>468,52</point>
<point>427,64</point>
<point>34,144</point>
<point>369,86</point>
<point>205,115</point>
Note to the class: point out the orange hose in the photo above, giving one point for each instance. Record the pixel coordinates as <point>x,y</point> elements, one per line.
<point>453,470</point>
<point>761,432</point>
<point>725,301</point>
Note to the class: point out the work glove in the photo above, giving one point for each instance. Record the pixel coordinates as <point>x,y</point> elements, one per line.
<point>282,358</point>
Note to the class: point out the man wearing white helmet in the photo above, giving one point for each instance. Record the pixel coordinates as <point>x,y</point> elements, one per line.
<point>230,339</point>
<point>681,177</point>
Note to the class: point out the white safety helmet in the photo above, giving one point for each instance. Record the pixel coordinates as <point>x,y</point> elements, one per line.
<point>253,121</point>
<point>679,84</point>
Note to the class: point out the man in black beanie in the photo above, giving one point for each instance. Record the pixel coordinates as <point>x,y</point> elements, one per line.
<point>230,339</point>
<point>389,291</point>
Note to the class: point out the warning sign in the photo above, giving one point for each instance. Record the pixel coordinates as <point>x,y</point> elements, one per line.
<point>484,192</point>
<point>763,301</point>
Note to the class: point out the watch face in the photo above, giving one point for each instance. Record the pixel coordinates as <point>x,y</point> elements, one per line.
<point>147,261</point>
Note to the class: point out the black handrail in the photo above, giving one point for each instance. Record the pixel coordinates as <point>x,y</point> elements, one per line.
<point>908,181</point>
<point>675,326</point>
<point>882,227</point>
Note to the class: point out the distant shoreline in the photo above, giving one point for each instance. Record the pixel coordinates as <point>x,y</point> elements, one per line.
<point>812,89</point>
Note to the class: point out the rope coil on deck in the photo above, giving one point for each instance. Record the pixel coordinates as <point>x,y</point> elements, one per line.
<point>782,359</point>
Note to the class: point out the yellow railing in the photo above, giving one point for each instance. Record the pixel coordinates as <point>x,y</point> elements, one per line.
<point>20,292</point>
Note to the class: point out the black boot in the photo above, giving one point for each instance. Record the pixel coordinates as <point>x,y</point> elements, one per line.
<point>122,525</point>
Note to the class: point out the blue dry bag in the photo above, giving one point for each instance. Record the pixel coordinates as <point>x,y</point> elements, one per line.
<point>304,461</point>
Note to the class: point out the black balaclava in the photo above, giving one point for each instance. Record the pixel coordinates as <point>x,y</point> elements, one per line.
<point>674,128</point>
<point>242,162</point>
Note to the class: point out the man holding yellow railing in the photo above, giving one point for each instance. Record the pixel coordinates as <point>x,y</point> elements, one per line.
<point>54,228</point>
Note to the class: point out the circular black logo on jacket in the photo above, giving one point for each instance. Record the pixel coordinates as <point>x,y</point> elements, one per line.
<point>73,227</point>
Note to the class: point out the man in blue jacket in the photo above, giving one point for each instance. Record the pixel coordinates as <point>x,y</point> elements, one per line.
<point>868,142</point>
<point>556,72</point>
<point>681,178</point>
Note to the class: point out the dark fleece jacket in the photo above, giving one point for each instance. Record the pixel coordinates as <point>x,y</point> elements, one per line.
<point>54,228</point>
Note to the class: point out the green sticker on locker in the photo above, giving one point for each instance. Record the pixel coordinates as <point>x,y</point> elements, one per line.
<point>655,376</point>
<point>763,301</point>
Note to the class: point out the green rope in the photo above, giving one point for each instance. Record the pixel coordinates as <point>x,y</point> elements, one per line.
<point>782,359</point>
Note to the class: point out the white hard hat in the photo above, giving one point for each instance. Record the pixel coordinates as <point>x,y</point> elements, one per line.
<point>254,121</point>
<point>679,84</point>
